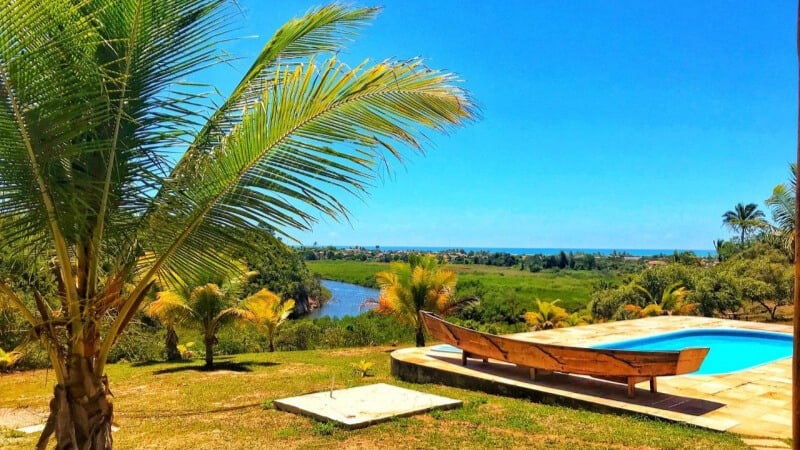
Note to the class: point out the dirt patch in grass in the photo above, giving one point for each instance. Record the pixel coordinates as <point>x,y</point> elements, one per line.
<point>360,351</point>
<point>21,417</point>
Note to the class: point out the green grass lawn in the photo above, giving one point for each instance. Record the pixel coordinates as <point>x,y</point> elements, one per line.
<point>176,406</point>
<point>572,287</point>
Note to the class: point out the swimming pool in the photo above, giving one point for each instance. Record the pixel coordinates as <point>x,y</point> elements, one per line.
<point>731,350</point>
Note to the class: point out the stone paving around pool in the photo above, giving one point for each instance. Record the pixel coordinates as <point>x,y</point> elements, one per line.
<point>755,402</point>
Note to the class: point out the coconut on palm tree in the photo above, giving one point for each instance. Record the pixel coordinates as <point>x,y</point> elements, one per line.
<point>419,285</point>
<point>744,219</point>
<point>117,171</point>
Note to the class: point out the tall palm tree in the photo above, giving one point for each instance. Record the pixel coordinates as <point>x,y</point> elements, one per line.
<point>781,205</point>
<point>796,290</point>
<point>206,308</point>
<point>268,312</point>
<point>420,284</point>
<point>744,219</point>
<point>94,112</point>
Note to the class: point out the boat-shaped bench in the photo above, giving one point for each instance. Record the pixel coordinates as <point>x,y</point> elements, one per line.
<point>621,366</point>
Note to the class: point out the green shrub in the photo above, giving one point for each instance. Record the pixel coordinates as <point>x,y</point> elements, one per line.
<point>298,335</point>
<point>324,428</point>
<point>139,342</point>
<point>34,358</point>
<point>240,338</point>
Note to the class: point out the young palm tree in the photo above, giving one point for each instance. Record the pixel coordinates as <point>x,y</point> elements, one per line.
<point>420,284</point>
<point>206,308</point>
<point>94,112</point>
<point>719,246</point>
<point>547,316</point>
<point>267,312</point>
<point>9,359</point>
<point>744,218</point>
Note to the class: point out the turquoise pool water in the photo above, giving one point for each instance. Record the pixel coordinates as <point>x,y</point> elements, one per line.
<point>731,350</point>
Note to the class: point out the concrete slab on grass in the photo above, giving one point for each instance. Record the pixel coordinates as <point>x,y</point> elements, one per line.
<point>31,429</point>
<point>39,428</point>
<point>362,406</point>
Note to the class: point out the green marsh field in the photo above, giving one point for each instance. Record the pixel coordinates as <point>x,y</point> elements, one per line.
<point>572,287</point>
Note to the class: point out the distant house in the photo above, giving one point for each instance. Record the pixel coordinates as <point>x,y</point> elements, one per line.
<point>656,262</point>
<point>631,258</point>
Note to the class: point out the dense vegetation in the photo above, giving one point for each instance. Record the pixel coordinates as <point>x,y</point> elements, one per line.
<point>615,261</point>
<point>750,277</point>
<point>280,269</point>
<point>504,294</point>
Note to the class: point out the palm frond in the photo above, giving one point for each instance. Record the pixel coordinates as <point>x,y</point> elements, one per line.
<point>278,166</point>
<point>169,307</point>
<point>781,204</point>
<point>323,29</point>
<point>267,310</point>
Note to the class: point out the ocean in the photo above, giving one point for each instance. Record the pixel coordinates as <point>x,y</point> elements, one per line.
<point>542,251</point>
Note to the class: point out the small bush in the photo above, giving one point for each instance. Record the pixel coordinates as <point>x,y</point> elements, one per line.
<point>187,351</point>
<point>240,338</point>
<point>9,359</point>
<point>35,358</point>
<point>298,335</point>
<point>139,342</point>
<point>362,367</point>
<point>324,428</point>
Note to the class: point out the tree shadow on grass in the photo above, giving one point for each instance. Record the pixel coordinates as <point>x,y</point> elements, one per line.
<point>241,366</point>
<point>153,362</point>
<point>170,414</point>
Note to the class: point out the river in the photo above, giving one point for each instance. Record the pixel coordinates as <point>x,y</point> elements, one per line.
<point>346,300</point>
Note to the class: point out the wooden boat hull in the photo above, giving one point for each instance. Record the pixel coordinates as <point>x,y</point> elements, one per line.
<point>626,366</point>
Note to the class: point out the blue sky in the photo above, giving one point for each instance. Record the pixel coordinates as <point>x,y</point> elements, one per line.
<point>605,124</point>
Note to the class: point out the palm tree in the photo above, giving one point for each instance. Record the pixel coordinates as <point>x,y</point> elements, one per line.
<point>719,246</point>
<point>94,111</point>
<point>744,218</point>
<point>171,340</point>
<point>9,359</point>
<point>206,308</point>
<point>267,312</point>
<point>547,316</point>
<point>674,301</point>
<point>781,205</point>
<point>420,284</point>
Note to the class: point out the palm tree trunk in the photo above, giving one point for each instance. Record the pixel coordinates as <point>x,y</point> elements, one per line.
<point>796,295</point>
<point>271,344</point>
<point>210,352</point>
<point>171,344</point>
<point>80,414</point>
<point>420,337</point>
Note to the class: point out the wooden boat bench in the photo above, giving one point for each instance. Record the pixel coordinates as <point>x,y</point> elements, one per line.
<point>620,366</point>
